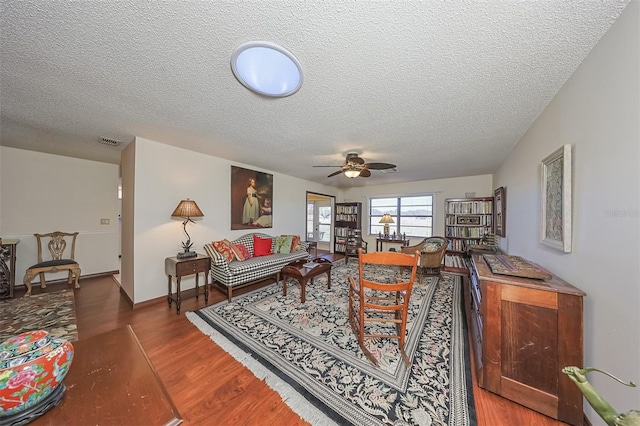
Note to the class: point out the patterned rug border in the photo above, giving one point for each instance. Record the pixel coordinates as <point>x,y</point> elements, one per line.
<point>290,394</point>
<point>302,402</point>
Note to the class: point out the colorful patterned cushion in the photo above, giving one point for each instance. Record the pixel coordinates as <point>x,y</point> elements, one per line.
<point>224,248</point>
<point>283,244</point>
<point>295,243</point>
<point>261,246</point>
<point>241,252</point>
<point>431,246</point>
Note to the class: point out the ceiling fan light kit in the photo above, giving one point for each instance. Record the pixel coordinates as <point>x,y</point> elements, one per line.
<point>267,69</point>
<point>354,167</point>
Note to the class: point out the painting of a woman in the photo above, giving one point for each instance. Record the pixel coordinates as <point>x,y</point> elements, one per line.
<point>251,209</point>
<point>250,190</point>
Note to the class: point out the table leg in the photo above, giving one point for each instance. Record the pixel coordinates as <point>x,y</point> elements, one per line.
<point>329,278</point>
<point>169,292</point>
<point>206,288</point>
<point>284,285</point>
<point>197,289</point>
<point>178,298</point>
<point>303,285</point>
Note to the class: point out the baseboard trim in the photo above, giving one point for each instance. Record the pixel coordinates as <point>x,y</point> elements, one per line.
<point>64,280</point>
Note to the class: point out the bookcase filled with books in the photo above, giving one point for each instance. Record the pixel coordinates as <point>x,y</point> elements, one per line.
<point>348,216</point>
<point>467,221</point>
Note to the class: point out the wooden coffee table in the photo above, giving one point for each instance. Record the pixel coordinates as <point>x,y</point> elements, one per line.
<point>112,382</point>
<point>298,271</point>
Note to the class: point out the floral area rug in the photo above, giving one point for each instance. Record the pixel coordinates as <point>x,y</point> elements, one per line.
<point>309,354</point>
<point>53,312</point>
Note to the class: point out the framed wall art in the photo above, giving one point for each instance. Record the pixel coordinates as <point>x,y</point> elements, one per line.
<point>556,200</point>
<point>251,199</point>
<point>499,200</point>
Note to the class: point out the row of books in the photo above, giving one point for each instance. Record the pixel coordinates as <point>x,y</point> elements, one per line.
<point>346,217</point>
<point>470,207</point>
<point>341,247</point>
<point>453,261</point>
<point>467,232</point>
<point>346,209</point>
<point>341,232</point>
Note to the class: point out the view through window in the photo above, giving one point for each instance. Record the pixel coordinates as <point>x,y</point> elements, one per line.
<point>412,215</point>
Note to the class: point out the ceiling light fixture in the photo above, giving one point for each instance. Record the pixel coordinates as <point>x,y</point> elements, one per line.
<point>352,173</point>
<point>267,69</point>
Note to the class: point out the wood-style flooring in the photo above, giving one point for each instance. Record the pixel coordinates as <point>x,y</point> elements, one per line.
<point>206,384</point>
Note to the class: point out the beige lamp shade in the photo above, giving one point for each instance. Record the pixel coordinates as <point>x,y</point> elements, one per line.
<point>187,208</point>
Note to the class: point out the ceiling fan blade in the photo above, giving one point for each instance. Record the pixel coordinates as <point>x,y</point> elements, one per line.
<point>379,166</point>
<point>328,166</point>
<point>365,173</point>
<point>335,173</point>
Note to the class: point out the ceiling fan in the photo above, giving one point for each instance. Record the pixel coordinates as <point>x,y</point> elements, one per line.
<point>355,166</point>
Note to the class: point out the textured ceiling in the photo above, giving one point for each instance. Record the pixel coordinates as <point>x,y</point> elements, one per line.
<point>439,88</point>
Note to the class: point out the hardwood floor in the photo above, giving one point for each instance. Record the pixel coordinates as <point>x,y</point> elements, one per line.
<point>206,384</point>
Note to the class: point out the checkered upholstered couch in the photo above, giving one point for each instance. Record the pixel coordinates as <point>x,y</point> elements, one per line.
<point>235,274</point>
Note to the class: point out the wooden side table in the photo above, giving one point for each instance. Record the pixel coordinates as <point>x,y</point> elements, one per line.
<point>179,268</point>
<point>380,241</point>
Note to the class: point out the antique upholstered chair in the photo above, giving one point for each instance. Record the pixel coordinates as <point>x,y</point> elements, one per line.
<point>375,302</point>
<point>62,258</point>
<point>432,250</point>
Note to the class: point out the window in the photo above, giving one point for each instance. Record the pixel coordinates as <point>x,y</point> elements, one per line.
<point>412,215</point>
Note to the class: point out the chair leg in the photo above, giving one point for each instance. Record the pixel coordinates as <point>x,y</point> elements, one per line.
<point>77,274</point>
<point>27,282</point>
<point>43,282</point>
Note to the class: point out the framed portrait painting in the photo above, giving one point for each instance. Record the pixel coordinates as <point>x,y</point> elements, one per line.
<point>556,200</point>
<point>251,199</point>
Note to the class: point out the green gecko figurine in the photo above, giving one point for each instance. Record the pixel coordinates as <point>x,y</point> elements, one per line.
<point>602,407</point>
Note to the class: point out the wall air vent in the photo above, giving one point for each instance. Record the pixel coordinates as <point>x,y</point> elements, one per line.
<point>110,142</point>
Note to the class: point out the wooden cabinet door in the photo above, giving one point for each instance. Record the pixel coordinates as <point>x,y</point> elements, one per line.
<point>536,334</point>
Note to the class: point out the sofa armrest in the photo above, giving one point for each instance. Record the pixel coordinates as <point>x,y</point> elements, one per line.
<point>217,260</point>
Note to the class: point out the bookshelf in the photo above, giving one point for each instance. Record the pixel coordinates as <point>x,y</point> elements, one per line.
<point>467,221</point>
<point>348,216</point>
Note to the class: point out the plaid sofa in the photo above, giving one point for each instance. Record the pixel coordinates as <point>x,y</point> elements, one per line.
<point>235,274</point>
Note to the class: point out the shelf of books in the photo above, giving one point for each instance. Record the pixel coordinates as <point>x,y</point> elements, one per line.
<point>467,222</point>
<point>348,216</point>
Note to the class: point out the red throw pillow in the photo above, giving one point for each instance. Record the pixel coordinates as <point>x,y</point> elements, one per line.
<point>223,247</point>
<point>241,252</point>
<point>261,246</point>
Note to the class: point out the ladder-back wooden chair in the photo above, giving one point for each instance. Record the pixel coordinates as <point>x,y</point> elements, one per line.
<point>62,258</point>
<point>375,302</point>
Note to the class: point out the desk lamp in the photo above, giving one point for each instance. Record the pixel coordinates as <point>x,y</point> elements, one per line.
<point>386,219</point>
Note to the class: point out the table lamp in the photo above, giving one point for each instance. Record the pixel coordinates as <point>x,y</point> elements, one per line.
<point>186,210</point>
<point>386,219</point>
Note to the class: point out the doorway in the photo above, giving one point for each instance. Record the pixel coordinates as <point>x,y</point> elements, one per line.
<point>320,219</point>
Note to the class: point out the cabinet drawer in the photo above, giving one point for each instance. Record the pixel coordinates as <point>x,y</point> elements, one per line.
<point>192,267</point>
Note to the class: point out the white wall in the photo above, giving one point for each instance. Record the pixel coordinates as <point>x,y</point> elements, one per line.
<point>164,175</point>
<point>43,193</point>
<point>598,113</point>
<point>127,163</point>
<point>442,188</point>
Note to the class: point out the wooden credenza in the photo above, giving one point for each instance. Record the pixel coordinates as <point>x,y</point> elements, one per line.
<point>524,331</point>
